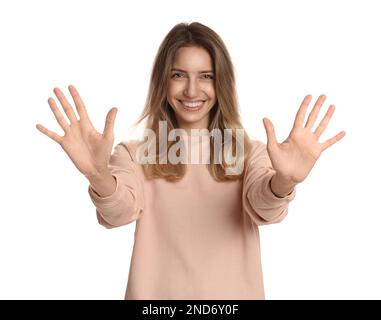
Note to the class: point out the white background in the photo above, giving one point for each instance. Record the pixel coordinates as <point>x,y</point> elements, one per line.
<point>51,245</point>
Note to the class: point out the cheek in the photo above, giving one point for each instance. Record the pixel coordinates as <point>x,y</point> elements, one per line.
<point>174,89</point>
<point>210,92</point>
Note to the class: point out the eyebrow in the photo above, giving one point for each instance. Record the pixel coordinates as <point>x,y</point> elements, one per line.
<point>205,71</point>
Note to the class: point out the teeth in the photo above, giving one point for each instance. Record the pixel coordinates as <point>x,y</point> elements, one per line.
<point>193,104</point>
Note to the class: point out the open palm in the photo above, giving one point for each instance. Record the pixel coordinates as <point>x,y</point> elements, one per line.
<point>88,149</point>
<point>294,158</point>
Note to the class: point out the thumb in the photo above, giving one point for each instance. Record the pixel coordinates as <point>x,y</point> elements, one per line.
<point>108,131</point>
<point>270,132</point>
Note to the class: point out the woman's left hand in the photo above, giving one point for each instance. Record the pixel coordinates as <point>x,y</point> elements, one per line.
<point>294,158</point>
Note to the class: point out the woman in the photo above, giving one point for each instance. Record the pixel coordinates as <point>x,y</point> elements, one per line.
<point>196,226</point>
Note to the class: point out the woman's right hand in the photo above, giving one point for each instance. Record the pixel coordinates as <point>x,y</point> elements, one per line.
<point>89,150</point>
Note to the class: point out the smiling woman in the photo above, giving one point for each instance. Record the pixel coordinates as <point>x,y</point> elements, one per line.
<point>196,231</point>
<point>193,87</point>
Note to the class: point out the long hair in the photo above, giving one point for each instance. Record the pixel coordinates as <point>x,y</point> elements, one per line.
<point>223,115</point>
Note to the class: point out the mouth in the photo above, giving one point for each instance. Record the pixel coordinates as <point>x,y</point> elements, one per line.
<point>192,106</point>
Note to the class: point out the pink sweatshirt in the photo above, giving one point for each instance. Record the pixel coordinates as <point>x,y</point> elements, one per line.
<point>196,238</point>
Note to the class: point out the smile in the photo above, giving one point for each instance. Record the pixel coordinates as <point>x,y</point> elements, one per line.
<point>192,105</point>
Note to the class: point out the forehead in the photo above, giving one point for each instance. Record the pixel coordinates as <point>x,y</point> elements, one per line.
<point>192,59</point>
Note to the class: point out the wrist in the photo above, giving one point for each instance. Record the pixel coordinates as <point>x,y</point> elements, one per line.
<point>103,184</point>
<point>98,175</point>
<point>281,186</point>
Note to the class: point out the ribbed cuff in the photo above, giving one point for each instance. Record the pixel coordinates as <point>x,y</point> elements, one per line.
<point>109,201</point>
<point>270,196</point>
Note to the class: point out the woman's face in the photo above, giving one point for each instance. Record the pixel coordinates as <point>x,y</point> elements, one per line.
<point>191,92</point>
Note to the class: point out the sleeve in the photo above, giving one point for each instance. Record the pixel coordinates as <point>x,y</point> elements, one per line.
<point>126,204</point>
<point>259,202</point>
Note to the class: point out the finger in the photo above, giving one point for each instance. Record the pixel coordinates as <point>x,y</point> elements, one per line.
<point>50,134</point>
<point>270,132</point>
<point>108,131</point>
<point>333,140</point>
<point>66,105</point>
<point>57,113</point>
<point>300,115</point>
<point>80,106</point>
<point>315,112</point>
<point>324,122</point>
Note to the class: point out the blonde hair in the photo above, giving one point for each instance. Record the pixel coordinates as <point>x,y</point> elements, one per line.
<point>223,115</point>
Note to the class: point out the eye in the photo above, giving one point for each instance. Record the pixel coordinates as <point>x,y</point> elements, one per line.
<point>208,76</point>
<point>176,75</point>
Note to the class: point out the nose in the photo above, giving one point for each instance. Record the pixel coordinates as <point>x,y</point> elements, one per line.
<point>191,88</point>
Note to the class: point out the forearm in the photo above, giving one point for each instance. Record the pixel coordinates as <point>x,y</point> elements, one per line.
<point>103,184</point>
<point>281,187</point>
